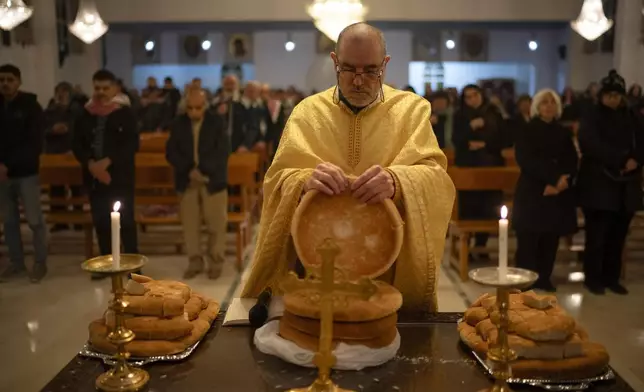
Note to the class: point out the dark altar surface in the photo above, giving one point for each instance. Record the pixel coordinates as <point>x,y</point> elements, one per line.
<point>430,359</point>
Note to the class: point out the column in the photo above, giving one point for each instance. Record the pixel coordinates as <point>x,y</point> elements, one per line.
<point>629,49</point>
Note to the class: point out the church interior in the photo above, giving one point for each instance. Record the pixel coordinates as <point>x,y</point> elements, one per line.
<point>267,195</point>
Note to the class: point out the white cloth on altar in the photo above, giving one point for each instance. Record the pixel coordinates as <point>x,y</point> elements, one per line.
<point>348,357</point>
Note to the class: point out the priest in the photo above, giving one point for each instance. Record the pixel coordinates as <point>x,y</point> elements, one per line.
<point>366,129</point>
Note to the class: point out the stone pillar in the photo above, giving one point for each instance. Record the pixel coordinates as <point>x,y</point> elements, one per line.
<point>629,49</point>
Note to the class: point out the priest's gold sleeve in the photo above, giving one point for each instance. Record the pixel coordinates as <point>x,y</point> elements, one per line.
<point>395,134</point>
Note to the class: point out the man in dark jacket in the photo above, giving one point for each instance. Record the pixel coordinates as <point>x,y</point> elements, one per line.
<point>21,135</point>
<point>256,121</point>
<point>105,143</point>
<point>198,149</point>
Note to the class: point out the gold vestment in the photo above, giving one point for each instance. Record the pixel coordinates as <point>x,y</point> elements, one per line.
<point>395,134</point>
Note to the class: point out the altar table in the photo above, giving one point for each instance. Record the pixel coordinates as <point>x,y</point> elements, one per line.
<point>430,359</point>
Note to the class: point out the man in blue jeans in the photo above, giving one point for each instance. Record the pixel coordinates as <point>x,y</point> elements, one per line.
<point>21,139</point>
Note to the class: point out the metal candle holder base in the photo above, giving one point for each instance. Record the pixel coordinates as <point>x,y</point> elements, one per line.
<point>122,377</point>
<point>501,356</point>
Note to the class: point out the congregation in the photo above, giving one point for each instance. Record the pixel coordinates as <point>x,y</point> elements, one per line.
<point>566,147</point>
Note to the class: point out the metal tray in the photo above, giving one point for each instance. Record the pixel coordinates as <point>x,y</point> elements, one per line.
<point>551,385</point>
<point>108,359</point>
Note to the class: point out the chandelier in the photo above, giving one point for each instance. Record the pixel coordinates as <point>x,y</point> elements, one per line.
<point>13,13</point>
<point>88,26</point>
<point>332,16</point>
<point>592,21</point>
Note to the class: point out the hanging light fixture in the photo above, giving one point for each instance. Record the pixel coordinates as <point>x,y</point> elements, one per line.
<point>592,21</point>
<point>88,26</point>
<point>13,13</point>
<point>331,16</point>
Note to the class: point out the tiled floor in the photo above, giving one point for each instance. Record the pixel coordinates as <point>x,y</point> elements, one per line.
<point>43,326</point>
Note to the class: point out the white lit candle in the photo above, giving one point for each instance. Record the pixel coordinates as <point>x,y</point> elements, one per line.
<point>503,243</point>
<point>116,236</point>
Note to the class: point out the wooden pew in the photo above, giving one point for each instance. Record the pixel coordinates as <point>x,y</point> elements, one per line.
<point>508,156</point>
<point>475,179</point>
<point>153,142</point>
<point>59,169</point>
<point>155,185</point>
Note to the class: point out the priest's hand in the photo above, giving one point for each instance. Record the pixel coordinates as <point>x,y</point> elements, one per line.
<point>328,179</point>
<point>374,186</point>
<point>242,149</point>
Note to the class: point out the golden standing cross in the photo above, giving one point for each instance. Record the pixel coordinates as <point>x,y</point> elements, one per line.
<point>326,286</point>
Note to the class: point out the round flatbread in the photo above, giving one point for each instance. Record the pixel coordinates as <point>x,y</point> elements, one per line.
<point>350,331</point>
<point>346,307</point>
<point>369,236</point>
<point>312,343</point>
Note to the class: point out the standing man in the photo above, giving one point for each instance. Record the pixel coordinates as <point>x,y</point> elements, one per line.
<point>21,139</point>
<point>252,136</point>
<point>58,120</point>
<point>198,149</point>
<point>383,137</point>
<point>105,143</point>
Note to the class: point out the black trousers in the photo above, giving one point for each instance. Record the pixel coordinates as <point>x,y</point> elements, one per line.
<point>606,233</point>
<point>537,252</point>
<point>101,200</point>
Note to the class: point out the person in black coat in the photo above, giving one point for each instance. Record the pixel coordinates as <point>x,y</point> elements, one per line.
<point>105,142</point>
<point>544,204</point>
<point>610,182</point>
<point>21,137</point>
<point>198,150</point>
<point>478,140</point>
<point>516,123</point>
<point>59,123</point>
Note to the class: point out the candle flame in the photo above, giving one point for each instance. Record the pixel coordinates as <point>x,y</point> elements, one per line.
<point>117,206</point>
<point>504,212</point>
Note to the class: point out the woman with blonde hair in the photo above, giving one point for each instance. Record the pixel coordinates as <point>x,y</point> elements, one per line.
<point>544,206</point>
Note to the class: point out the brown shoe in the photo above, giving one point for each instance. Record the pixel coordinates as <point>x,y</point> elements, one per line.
<point>214,268</point>
<point>195,267</point>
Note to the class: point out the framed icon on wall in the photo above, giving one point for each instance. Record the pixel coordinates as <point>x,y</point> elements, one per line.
<point>240,48</point>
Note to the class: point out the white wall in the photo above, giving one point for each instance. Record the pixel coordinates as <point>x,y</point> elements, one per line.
<point>295,10</point>
<point>39,63</point>
<point>307,70</point>
<point>304,67</point>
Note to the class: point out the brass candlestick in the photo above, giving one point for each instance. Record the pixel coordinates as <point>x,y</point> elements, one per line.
<point>501,355</point>
<point>122,377</point>
<point>326,289</point>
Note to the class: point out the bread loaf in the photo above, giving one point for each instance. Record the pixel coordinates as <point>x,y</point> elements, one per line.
<point>349,307</point>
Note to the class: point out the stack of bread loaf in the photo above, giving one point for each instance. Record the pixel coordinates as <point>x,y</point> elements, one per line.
<point>549,342</point>
<point>166,317</point>
<point>370,323</point>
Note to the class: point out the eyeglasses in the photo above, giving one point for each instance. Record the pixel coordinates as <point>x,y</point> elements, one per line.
<point>372,74</point>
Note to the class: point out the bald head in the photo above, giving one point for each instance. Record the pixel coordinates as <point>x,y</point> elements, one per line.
<point>196,104</point>
<point>252,90</point>
<point>361,33</point>
<point>360,62</point>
